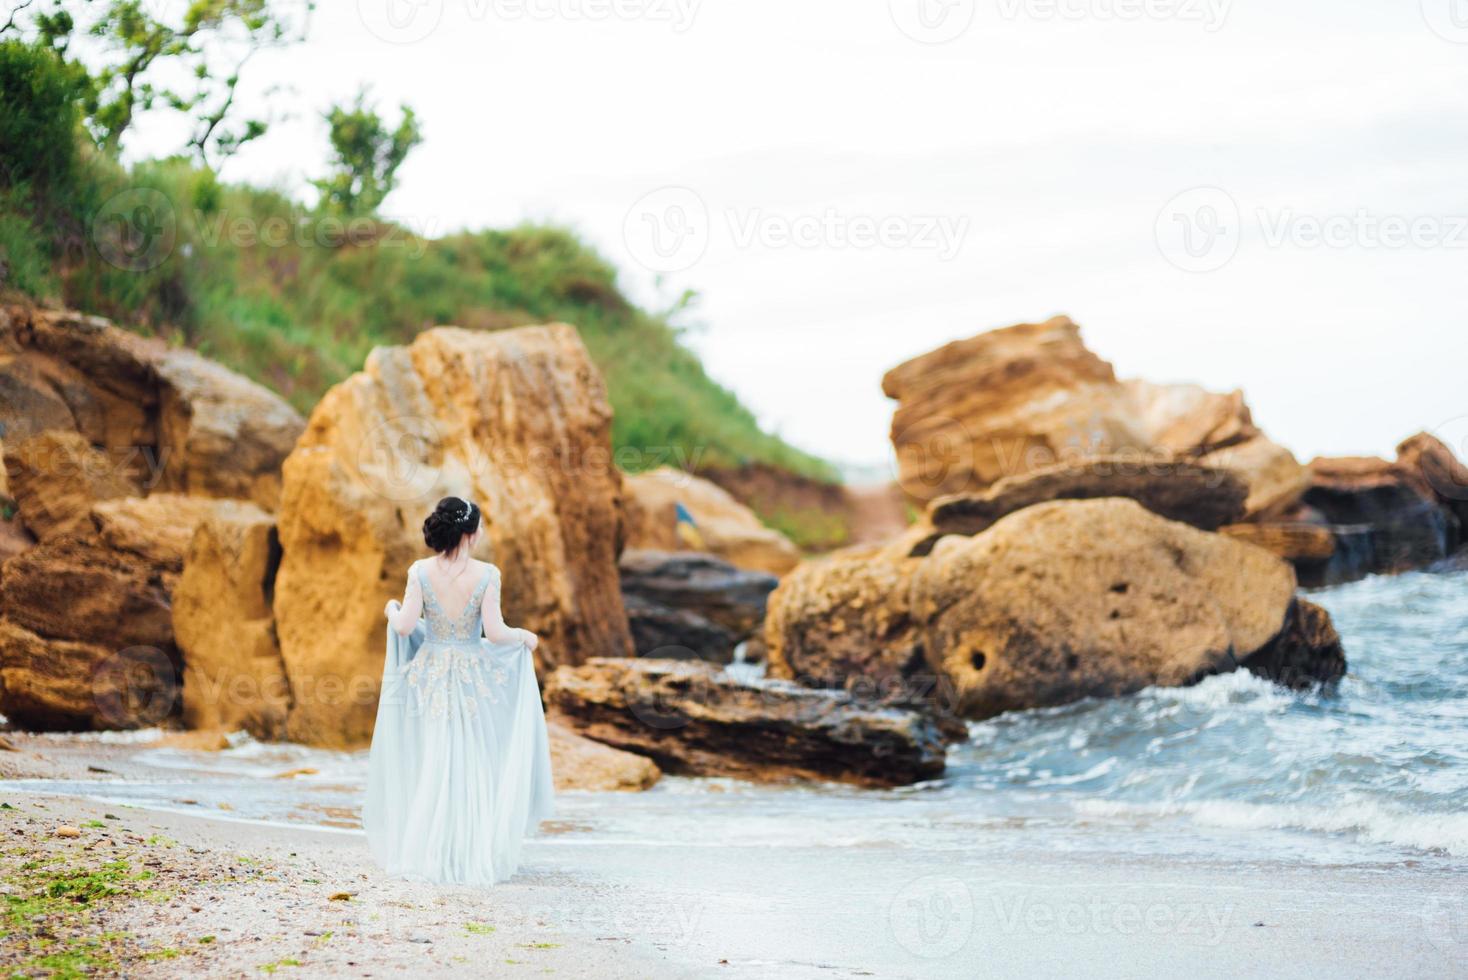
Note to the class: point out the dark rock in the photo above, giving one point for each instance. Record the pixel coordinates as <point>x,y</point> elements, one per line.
<point>1306,653</point>
<point>1384,516</point>
<point>1204,496</point>
<point>662,632</point>
<point>728,598</point>
<point>692,718</point>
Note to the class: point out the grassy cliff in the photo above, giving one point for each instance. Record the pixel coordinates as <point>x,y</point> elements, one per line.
<point>296,299</point>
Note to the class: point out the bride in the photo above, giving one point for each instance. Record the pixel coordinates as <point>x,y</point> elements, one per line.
<point>460,762</point>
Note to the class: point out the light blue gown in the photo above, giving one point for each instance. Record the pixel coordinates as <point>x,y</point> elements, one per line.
<point>460,766</point>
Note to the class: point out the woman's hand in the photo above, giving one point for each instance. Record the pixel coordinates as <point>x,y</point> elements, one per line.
<point>391,609</point>
<point>531,640</point>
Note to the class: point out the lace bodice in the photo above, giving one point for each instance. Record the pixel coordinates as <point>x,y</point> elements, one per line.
<point>442,626</point>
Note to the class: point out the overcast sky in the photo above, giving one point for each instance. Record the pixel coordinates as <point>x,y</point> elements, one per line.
<point>1242,193</point>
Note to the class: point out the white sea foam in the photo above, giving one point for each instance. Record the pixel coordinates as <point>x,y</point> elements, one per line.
<point>1365,821</point>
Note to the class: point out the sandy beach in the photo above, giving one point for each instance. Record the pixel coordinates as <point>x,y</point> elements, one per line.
<point>175,894</point>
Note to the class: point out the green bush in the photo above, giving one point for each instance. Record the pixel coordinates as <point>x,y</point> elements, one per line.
<point>296,298</point>
<point>39,117</point>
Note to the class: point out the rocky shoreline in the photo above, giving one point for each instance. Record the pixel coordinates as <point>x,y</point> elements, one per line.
<point>183,549</point>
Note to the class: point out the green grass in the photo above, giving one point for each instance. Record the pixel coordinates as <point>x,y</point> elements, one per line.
<point>47,913</point>
<point>273,967</point>
<point>257,281</point>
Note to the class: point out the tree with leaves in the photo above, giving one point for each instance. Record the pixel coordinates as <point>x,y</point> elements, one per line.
<point>142,56</point>
<point>366,156</point>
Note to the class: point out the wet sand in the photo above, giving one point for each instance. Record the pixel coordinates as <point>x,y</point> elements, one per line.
<point>305,901</point>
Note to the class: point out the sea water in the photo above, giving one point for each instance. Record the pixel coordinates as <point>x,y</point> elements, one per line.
<point>1233,769</point>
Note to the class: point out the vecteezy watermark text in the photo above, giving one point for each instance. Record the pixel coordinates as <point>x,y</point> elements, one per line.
<point>670,229</point>
<point>1201,229</point>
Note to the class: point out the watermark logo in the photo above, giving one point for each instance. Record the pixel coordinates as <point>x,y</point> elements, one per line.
<point>932,917</point>
<point>934,456</point>
<point>392,458</point>
<point>932,21</point>
<point>1199,230</point>
<point>401,21</point>
<point>134,688</point>
<point>135,230</point>
<point>1448,19</point>
<point>667,230</point>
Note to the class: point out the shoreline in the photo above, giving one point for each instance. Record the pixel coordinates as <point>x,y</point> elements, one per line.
<point>213,896</point>
<point>264,893</point>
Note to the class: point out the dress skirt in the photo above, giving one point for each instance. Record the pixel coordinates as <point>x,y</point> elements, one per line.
<point>459,771</point>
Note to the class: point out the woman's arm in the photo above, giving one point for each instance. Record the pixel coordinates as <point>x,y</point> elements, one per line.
<point>404,619</point>
<point>494,622</point>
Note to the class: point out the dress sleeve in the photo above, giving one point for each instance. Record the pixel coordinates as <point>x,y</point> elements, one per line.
<point>406,618</point>
<point>494,622</point>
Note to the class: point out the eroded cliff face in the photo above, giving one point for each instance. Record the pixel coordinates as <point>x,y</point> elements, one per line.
<point>518,421</point>
<point>1032,396</point>
<point>116,449</point>
<point>166,418</point>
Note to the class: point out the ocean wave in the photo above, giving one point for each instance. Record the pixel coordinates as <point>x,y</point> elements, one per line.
<point>1367,821</point>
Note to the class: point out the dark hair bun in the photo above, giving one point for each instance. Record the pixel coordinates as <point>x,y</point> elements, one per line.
<point>451,521</point>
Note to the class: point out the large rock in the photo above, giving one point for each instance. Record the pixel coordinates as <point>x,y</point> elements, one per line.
<point>234,677</point>
<point>1179,490</point>
<point>1053,603</point>
<point>693,719</point>
<point>1025,398</point>
<point>517,420</point>
<point>1384,515</point>
<point>1092,599</point>
<point>48,684</point>
<point>80,590</point>
<point>1436,472</point>
<point>685,605</point>
<point>704,584</point>
<point>676,634</point>
<point>721,525</point>
<point>1275,479</point>
<point>581,764</point>
<point>168,418</point>
<point>90,611</point>
<point>159,528</point>
<point>57,476</point>
<point>846,619</point>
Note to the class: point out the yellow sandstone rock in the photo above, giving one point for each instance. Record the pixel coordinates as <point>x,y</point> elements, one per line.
<point>518,420</point>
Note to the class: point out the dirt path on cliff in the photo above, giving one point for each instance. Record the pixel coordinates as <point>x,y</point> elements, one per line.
<point>878,512</point>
